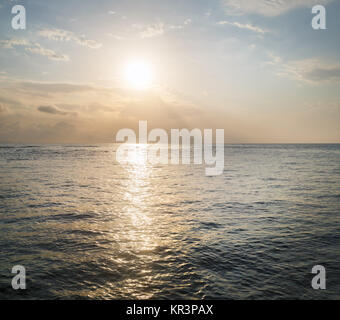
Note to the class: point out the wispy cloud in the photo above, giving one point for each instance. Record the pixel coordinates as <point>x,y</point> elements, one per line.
<point>313,71</point>
<point>115,36</point>
<point>176,27</point>
<point>274,59</point>
<point>33,47</point>
<point>11,43</point>
<point>52,55</point>
<point>158,29</point>
<point>64,35</point>
<point>185,23</point>
<point>267,7</point>
<point>154,30</point>
<point>247,26</point>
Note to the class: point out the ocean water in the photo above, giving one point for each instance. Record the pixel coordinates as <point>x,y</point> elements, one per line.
<point>85,227</point>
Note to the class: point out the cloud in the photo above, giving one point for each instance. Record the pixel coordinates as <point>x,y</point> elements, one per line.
<point>54,110</point>
<point>314,71</point>
<point>8,102</point>
<point>158,29</point>
<point>268,7</point>
<point>64,35</point>
<point>3,75</point>
<point>35,48</point>
<point>3,108</point>
<point>115,36</point>
<point>176,27</point>
<point>51,88</point>
<point>11,43</point>
<point>154,30</point>
<point>102,111</point>
<point>52,55</point>
<point>243,26</point>
<point>324,74</point>
<point>89,113</point>
<point>274,59</point>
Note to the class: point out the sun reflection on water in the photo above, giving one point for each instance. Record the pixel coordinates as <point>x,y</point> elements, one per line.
<point>139,237</point>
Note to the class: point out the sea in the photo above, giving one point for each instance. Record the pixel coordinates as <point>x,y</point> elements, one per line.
<point>86,227</point>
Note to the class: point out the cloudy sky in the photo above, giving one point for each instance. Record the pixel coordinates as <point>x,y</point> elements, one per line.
<point>254,68</point>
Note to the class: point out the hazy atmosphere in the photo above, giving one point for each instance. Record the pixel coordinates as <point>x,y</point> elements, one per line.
<point>256,69</point>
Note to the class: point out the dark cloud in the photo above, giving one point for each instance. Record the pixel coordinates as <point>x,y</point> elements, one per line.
<point>54,110</point>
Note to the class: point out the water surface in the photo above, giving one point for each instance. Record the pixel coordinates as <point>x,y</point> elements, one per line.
<point>86,227</point>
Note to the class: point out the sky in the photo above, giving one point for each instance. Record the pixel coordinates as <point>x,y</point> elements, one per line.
<point>255,68</point>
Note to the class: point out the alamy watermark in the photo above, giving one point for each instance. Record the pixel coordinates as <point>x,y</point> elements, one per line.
<point>319,21</point>
<point>158,146</point>
<point>19,20</point>
<point>19,280</point>
<point>319,281</point>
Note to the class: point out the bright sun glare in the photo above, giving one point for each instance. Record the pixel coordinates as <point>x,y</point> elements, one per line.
<point>138,75</point>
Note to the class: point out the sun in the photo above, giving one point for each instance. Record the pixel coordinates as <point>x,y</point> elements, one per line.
<point>138,75</point>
